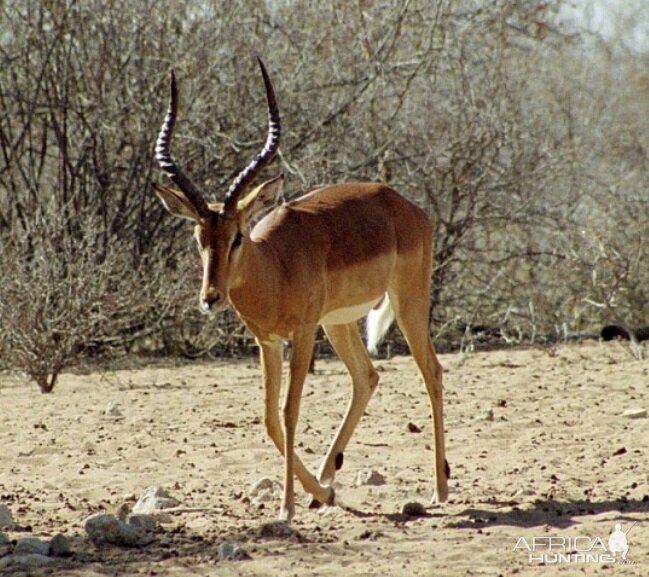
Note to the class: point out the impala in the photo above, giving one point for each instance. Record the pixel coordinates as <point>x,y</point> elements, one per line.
<point>326,258</point>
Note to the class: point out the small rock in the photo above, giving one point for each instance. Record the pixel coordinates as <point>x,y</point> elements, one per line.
<point>146,523</point>
<point>414,509</point>
<point>60,546</point>
<point>523,492</point>
<point>103,528</point>
<point>277,530</point>
<point>6,518</point>
<point>113,410</point>
<point>123,511</point>
<point>5,545</point>
<point>31,545</point>
<point>264,484</point>
<point>264,491</point>
<point>154,499</point>
<point>27,561</point>
<point>635,413</point>
<point>412,428</point>
<point>89,448</point>
<point>373,478</point>
<point>488,415</point>
<point>231,552</point>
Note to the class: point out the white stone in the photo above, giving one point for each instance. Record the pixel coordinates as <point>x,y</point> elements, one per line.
<point>264,491</point>
<point>154,499</point>
<point>488,415</point>
<point>635,413</point>
<point>264,484</point>
<point>370,477</point>
<point>113,410</point>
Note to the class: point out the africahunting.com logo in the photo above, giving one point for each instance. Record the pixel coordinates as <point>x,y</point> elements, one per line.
<point>581,549</point>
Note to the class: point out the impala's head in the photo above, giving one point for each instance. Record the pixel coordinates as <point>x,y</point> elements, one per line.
<point>221,229</point>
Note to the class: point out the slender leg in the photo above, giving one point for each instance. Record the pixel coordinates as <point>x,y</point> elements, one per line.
<point>302,352</point>
<point>271,361</point>
<point>348,344</point>
<point>412,316</point>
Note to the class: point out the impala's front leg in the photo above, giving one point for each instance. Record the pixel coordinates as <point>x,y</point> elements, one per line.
<point>271,360</point>
<point>303,341</point>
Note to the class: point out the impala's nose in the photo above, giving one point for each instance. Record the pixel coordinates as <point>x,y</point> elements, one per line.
<point>209,301</point>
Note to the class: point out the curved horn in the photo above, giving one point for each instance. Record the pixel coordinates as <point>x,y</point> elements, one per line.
<point>168,164</point>
<point>267,153</point>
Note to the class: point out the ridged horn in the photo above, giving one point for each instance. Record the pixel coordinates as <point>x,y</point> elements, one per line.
<point>168,164</point>
<point>267,153</point>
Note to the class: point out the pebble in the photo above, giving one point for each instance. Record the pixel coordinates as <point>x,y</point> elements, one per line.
<point>60,546</point>
<point>277,530</point>
<point>31,545</point>
<point>488,415</point>
<point>6,518</point>
<point>412,428</point>
<point>371,477</point>
<point>635,413</point>
<point>122,511</point>
<point>232,552</point>
<point>113,410</point>
<point>264,484</point>
<point>28,561</point>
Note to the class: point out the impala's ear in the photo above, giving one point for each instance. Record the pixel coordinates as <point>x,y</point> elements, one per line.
<point>176,202</point>
<point>264,197</point>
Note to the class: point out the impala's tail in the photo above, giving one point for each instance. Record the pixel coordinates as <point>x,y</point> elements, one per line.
<point>378,322</point>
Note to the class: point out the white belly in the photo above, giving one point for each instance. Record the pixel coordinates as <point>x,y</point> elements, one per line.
<point>346,315</point>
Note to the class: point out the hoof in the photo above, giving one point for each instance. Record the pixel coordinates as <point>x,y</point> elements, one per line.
<point>315,504</point>
<point>439,497</point>
<point>285,515</point>
<point>330,502</point>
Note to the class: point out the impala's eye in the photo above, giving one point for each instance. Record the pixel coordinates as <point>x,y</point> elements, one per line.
<point>237,240</point>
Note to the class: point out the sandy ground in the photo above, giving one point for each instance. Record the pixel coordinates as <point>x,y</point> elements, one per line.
<point>557,460</point>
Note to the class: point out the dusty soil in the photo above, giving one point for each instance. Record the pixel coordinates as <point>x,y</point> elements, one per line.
<point>556,460</point>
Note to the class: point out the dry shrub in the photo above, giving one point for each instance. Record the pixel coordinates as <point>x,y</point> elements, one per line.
<point>60,302</point>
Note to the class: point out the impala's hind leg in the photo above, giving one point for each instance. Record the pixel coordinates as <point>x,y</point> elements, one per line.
<point>412,315</point>
<point>348,344</point>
